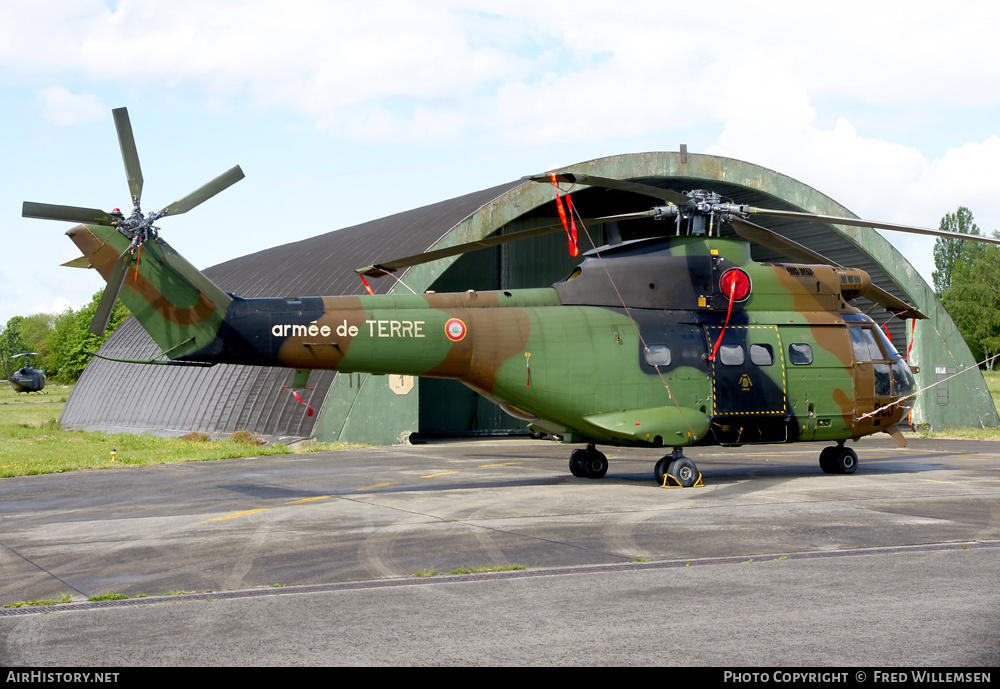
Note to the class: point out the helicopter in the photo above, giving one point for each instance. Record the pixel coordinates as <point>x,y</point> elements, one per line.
<point>685,339</point>
<point>26,378</point>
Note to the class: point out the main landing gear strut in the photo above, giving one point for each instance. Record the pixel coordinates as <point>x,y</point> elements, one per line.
<point>838,460</point>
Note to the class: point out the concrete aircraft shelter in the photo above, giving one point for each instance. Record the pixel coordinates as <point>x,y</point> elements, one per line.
<point>385,409</point>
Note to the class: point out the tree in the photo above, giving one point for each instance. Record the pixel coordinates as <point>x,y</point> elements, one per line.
<point>11,341</point>
<point>63,340</point>
<point>951,252</point>
<point>967,280</point>
<point>71,339</point>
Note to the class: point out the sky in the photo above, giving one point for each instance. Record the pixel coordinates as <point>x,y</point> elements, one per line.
<point>343,112</point>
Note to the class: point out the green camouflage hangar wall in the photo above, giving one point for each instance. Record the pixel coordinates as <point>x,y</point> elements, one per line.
<point>386,409</point>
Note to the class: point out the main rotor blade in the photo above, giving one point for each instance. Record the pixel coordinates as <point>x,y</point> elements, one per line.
<point>857,222</point>
<point>110,296</point>
<point>796,252</point>
<point>668,195</point>
<point>205,192</point>
<point>48,211</point>
<point>129,154</point>
<point>380,269</point>
<point>776,242</point>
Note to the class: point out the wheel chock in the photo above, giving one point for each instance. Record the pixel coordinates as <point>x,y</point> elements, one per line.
<point>670,481</point>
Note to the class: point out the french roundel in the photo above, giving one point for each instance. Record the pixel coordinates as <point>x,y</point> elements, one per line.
<point>455,329</point>
<point>742,284</point>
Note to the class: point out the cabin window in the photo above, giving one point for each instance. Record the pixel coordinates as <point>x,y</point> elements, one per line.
<point>761,354</point>
<point>658,355</point>
<point>731,355</point>
<point>800,354</point>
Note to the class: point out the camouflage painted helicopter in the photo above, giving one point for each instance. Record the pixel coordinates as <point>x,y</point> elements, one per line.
<point>685,339</point>
<point>26,378</point>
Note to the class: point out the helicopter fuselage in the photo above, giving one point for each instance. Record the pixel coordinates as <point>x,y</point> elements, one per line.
<point>27,379</point>
<point>619,353</point>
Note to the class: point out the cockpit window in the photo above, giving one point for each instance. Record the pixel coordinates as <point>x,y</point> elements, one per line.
<point>861,351</point>
<point>887,345</point>
<point>873,347</point>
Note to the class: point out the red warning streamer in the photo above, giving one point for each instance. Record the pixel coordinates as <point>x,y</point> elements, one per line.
<point>913,329</point>
<point>136,278</point>
<point>367,286</point>
<point>732,298</point>
<point>574,249</point>
<point>309,411</point>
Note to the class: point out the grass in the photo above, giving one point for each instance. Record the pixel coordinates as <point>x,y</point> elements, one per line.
<point>20,604</point>
<point>33,442</point>
<point>494,568</point>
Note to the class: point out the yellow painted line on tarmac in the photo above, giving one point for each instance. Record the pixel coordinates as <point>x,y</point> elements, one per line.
<point>443,473</point>
<point>930,480</point>
<point>299,502</point>
<point>503,464</point>
<point>238,514</point>
<point>378,485</point>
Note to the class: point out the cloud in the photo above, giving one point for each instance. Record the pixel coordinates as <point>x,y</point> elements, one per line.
<point>822,93</point>
<point>62,107</point>
<point>408,70</point>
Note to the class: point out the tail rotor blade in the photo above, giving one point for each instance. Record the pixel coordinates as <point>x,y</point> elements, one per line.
<point>129,154</point>
<point>48,211</point>
<point>110,296</point>
<point>204,193</point>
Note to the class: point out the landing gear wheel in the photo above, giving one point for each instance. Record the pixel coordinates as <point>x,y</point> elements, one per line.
<point>595,464</point>
<point>684,471</point>
<point>838,460</point>
<point>576,462</point>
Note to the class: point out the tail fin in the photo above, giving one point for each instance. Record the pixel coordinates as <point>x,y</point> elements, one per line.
<point>180,308</point>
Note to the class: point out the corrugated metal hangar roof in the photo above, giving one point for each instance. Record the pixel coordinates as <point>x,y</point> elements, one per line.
<point>227,398</point>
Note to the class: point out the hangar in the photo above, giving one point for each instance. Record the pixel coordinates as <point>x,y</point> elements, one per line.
<point>387,409</point>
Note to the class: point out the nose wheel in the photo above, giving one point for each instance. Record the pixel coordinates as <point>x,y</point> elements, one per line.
<point>589,463</point>
<point>838,460</point>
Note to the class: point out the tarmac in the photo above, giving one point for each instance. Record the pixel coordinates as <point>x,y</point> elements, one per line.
<point>357,557</point>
